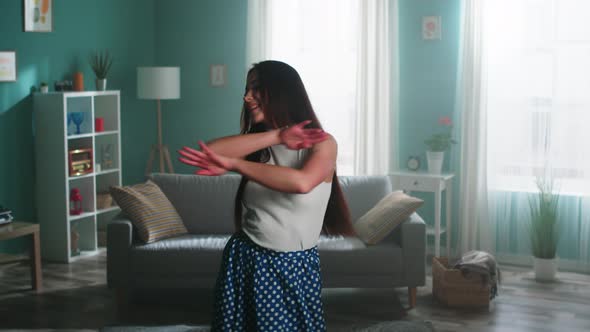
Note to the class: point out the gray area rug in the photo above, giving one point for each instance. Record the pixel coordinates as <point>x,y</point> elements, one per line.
<point>394,326</point>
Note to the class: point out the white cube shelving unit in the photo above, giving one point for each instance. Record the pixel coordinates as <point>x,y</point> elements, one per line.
<point>55,136</point>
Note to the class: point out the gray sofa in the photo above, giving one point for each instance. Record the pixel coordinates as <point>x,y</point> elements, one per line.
<point>205,205</point>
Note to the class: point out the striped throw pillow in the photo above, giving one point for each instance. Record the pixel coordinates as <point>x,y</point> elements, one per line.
<point>149,210</point>
<point>385,216</point>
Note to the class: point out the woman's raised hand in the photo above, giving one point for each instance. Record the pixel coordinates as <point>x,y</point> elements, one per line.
<point>210,162</point>
<point>297,137</point>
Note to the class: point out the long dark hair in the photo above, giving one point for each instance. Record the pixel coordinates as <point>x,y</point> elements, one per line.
<point>285,102</point>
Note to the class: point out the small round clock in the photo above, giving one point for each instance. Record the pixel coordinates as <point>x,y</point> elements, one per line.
<point>413,163</point>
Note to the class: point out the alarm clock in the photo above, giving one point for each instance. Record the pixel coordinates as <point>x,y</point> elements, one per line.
<point>413,163</point>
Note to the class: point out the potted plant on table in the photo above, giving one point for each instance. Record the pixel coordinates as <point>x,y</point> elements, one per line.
<point>543,227</point>
<point>438,144</point>
<point>101,64</point>
<point>43,87</point>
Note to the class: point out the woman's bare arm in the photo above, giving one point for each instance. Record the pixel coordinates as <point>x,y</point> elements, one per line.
<point>318,167</point>
<point>239,146</point>
<point>294,137</point>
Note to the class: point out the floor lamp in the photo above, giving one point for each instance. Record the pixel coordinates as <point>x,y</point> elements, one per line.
<point>158,83</point>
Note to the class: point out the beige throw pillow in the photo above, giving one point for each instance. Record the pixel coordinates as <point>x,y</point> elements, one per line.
<point>385,216</point>
<point>149,210</point>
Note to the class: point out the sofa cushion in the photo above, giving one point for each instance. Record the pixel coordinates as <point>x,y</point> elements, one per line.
<point>149,210</point>
<point>384,258</point>
<point>386,215</point>
<point>181,251</point>
<point>363,192</point>
<point>205,203</point>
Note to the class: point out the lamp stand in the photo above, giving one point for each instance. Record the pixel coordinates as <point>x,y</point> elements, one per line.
<point>160,149</point>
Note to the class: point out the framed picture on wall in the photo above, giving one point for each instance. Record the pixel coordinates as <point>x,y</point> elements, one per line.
<point>38,15</point>
<point>7,66</point>
<point>217,75</point>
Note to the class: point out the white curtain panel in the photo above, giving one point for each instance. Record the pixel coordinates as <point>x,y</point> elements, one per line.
<point>346,63</point>
<point>258,31</point>
<point>372,146</point>
<point>538,102</point>
<point>475,231</point>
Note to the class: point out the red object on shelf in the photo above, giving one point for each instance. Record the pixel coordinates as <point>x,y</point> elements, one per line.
<point>99,124</point>
<point>75,202</point>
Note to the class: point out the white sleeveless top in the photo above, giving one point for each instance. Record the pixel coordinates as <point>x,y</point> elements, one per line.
<point>284,221</point>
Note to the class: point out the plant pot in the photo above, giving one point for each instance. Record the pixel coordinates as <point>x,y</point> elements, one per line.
<point>101,84</point>
<point>545,269</point>
<point>44,88</point>
<point>435,161</point>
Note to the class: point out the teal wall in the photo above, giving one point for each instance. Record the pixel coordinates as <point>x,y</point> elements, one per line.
<point>190,34</point>
<point>79,27</point>
<point>427,85</point>
<point>427,73</point>
<point>193,35</point>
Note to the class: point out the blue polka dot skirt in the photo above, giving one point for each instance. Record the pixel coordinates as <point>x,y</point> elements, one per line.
<point>259,289</point>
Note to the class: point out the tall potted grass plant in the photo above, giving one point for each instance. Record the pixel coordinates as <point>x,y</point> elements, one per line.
<point>543,227</point>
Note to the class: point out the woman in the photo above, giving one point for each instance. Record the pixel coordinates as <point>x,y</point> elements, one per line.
<point>289,193</point>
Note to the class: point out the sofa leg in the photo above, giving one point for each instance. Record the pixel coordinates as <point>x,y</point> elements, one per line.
<point>412,291</point>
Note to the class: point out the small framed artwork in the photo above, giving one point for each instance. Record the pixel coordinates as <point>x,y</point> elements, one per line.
<point>217,75</point>
<point>7,66</point>
<point>38,15</point>
<point>431,27</point>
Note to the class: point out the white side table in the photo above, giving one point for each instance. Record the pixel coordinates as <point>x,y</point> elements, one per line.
<point>427,182</point>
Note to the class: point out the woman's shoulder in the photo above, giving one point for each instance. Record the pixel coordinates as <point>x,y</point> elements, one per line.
<point>328,143</point>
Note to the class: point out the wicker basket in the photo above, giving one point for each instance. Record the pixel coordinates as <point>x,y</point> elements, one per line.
<point>451,288</point>
<point>103,201</point>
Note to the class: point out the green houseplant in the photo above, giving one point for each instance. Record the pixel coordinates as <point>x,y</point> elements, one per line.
<point>543,227</point>
<point>438,144</point>
<point>43,87</point>
<point>101,62</point>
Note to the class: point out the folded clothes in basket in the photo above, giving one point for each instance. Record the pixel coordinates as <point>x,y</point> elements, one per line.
<point>483,264</point>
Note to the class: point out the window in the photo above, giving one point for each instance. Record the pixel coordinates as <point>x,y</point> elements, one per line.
<point>538,94</point>
<point>322,47</point>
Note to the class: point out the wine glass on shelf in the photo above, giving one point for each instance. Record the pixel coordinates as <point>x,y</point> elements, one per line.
<point>78,118</point>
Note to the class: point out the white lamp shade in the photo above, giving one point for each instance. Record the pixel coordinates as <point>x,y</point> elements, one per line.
<point>158,82</point>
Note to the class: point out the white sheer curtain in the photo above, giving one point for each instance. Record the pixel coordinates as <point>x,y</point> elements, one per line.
<point>320,39</point>
<point>373,124</point>
<point>528,62</point>
<point>258,31</point>
<point>539,104</point>
<point>475,231</point>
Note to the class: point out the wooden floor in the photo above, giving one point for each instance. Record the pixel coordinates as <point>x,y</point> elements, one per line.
<point>75,297</point>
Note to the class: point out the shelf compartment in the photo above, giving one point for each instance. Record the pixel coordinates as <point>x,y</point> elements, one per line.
<point>102,221</point>
<point>103,106</point>
<point>108,171</point>
<point>82,236</point>
<point>107,152</point>
<point>79,109</point>
<point>77,217</point>
<point>103,133</point>
<point>87,191</point>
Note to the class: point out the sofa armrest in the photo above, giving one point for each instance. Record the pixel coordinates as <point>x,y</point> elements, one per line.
<point>119,240</point>
<point>412,240</point>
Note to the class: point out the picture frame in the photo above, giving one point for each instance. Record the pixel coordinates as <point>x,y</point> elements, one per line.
<point>38,15</point>
<point>217,75</point>
<point>431,27</point>
<point>8,66</point>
